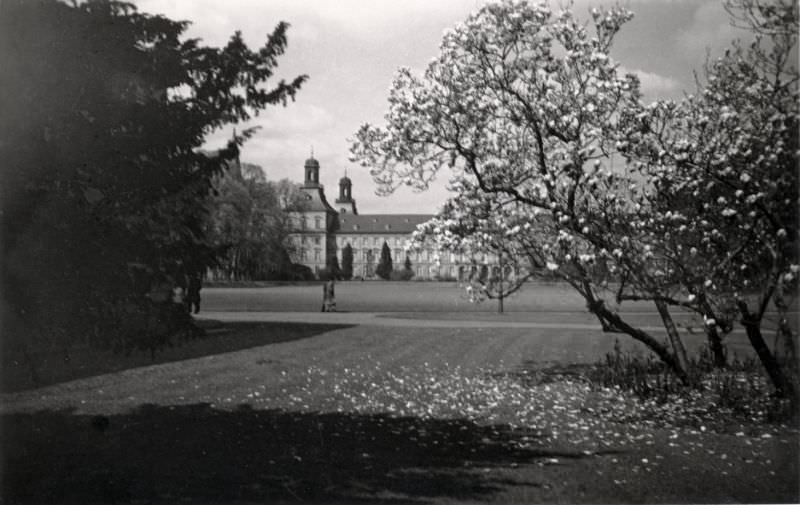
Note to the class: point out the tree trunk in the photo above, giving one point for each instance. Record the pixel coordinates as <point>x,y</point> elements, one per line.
<point>500,305</point>
<point>612,321</point>
<point>717,349</point>
<point>752,325</point>
<point>788,340</point>
<point>714,338</point>
<point>679,351</point>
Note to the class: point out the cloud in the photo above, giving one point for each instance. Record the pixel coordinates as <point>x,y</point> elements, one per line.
<point>654,85</point>
<point>351,48</point>
<point>709,30</point>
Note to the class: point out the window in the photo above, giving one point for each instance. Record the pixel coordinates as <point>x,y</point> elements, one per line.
<point>317,254</point>
<point>303,223</point>
<point>303,239</point>
<point>316,240</point>
<point>375,241</point>
<point>396,254</point>
<point>317,222</point>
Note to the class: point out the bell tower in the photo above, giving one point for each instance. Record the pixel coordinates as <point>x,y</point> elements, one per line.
<point>312,172</point>
<point>345,202</point>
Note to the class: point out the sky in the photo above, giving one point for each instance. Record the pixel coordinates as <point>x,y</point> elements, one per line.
<point>350,49</point>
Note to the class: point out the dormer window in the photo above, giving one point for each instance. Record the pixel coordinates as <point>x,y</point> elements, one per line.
<point>388,227</point>
<point>355,227</point>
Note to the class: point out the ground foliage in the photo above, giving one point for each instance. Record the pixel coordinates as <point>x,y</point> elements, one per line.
<point>319,420</point>
<point>554,408</point>
<point>104,184</point>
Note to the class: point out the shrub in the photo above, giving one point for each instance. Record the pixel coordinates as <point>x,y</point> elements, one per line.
<point>302,273</point>
<point>401,275</point>
<point>326,274</point>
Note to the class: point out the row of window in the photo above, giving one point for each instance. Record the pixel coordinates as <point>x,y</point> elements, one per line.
<point>302,223</point>
<point>304,255</point>
<point>397,241</point>
<point>456,272</point>
<point>397,252</point>
<point>304,240</point>
<point>424,255</point>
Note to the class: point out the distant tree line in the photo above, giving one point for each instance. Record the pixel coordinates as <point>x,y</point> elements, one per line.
<point>249,227</point>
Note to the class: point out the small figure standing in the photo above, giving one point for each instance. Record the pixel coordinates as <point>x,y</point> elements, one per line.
<point>193,288</point>
<point>328,297</point>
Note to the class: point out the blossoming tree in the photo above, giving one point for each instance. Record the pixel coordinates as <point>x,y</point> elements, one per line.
<point>722,166</point>
<point>526,108</point>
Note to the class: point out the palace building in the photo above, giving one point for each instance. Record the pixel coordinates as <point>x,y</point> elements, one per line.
<point>321,231</point>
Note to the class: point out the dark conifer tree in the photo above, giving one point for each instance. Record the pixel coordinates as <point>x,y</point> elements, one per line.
<point>104,181</point>
<point>347,262</point>
<point>384,268</point>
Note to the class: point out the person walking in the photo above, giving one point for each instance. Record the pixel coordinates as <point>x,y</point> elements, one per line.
<point>193,288</point>
<point>328,296</point>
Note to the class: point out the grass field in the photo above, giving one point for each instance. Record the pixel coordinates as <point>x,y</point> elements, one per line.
<point>279,412</point>
<point>378,296</point>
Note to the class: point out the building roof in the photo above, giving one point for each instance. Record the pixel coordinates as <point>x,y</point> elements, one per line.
<point>381,223</point>
<point>313,200</point>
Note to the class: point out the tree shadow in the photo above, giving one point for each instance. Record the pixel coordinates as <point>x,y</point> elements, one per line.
<point>206,455</point>
<point>82,361</point>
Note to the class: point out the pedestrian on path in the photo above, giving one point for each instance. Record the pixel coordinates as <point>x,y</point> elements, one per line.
<point>328,297</point>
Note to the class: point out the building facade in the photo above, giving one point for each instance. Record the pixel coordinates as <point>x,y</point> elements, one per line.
<point>321,231</point>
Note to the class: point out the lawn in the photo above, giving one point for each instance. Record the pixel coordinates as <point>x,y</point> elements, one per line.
<point>380,296</point>
<point>278,412</point>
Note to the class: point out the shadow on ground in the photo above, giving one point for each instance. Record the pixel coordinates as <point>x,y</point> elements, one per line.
<point>205,455</point>
<point>83,361</point>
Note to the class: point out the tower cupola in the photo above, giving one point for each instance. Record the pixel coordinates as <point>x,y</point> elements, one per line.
<point>345,201</point>
<point>345,189</point>
<point>312,171</point>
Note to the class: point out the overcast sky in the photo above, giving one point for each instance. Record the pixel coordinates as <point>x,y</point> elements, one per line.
<point>351,48</point>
